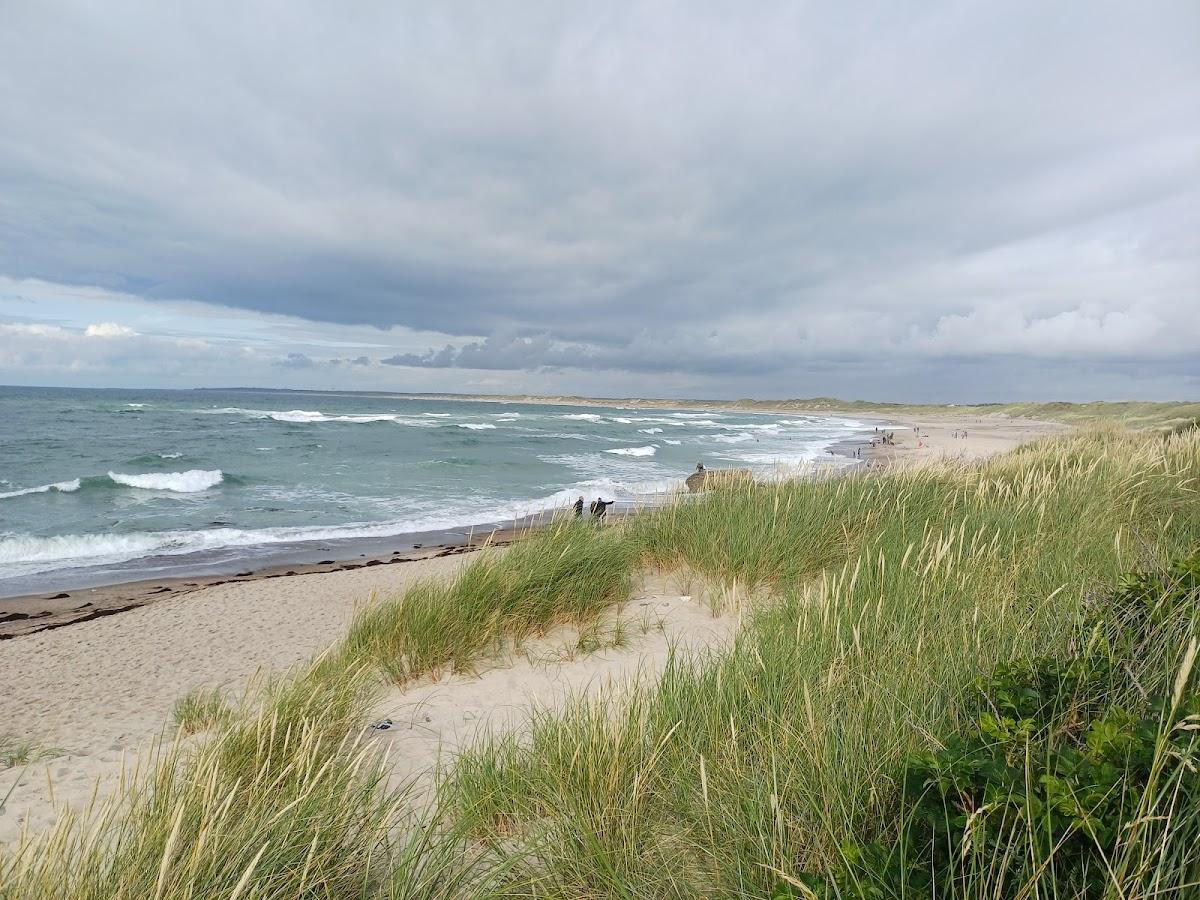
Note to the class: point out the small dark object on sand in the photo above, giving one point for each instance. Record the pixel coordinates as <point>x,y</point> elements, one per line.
<point>63,596</point>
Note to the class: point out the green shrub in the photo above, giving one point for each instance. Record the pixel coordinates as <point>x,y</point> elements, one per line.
<point>1064,781</point>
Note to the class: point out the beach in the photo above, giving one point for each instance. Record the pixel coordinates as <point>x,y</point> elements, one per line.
<point>98,692</point>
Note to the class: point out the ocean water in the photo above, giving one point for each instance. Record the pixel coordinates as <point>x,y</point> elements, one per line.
<point>106,485</point>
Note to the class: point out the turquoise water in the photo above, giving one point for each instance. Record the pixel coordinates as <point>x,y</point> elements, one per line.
<point>111,485</point>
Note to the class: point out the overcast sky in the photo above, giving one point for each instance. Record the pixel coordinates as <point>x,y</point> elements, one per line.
<point>901,201</point>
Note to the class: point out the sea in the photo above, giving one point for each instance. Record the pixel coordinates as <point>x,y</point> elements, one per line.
<point>107,486</point>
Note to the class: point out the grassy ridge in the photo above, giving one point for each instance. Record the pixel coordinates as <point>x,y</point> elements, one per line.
<point>895,593</point>
<point>889,596</point>
<point>569,573</point>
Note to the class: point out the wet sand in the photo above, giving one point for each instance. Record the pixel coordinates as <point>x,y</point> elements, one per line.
<point>22,616</point>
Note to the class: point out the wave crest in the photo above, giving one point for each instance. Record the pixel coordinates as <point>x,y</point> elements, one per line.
<point>634,451</point>
<point>189,482</point>
<point>64,487</point>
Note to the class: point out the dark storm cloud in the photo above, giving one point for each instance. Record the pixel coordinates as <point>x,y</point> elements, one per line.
<point>726,190</point>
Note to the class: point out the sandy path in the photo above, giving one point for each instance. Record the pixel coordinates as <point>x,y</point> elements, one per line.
<point>432,721</point>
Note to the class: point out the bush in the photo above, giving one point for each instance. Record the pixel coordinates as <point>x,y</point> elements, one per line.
<point>1076,778</point>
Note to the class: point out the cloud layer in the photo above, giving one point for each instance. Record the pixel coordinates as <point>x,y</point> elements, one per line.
<point>757,199</point>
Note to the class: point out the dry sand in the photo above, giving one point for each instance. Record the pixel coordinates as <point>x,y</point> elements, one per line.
<point>943,438</point>
<point>101,691</point>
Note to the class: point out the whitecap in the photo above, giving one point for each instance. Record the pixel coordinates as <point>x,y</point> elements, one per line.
<point>312,416</point>
<point>652,431</point>
<point>169,455</point>
<point>673,443</point>
<point>189,482</point>
<point>634,451</point>
<point>583,417</point>
<point>476,426</point>
<point>64,487</point>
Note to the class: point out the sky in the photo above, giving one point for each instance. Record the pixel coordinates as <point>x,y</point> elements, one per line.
<point>912,201</point>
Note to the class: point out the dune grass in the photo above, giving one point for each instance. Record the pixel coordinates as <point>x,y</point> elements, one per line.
<point>893,595</point>
<point>16,751</point>
<point>880,601</point>
<point>570,572</point>
<point>201,709</point>
<point>287,799</point>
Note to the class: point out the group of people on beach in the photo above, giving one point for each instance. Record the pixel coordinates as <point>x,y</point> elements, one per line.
<point>886,437</point>
<point>961,433</point>
<point>598,509</point>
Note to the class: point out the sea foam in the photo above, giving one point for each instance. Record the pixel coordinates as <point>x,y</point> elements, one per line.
<point>189,482</point>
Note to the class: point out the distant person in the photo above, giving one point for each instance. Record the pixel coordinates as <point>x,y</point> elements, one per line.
<point>599,508</point>
<point>579,508</point>
<point>699,467</point>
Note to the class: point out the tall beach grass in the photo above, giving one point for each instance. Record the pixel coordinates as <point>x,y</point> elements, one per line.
<point>874,604</point>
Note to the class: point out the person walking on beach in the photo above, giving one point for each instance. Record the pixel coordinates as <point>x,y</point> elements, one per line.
<point>599,508</point>
<point>579,508</point>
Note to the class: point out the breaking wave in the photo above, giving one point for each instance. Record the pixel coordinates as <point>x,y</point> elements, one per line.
<point>64,487</point>
<point>634,451</point>
<point>24,554</point>
<point>189,482</point>
<point>312,416</point>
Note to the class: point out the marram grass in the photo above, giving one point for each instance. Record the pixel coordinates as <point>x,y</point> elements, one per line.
<point>880,599</point>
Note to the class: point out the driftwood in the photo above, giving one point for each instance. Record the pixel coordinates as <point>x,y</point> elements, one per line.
<point>707,479</point>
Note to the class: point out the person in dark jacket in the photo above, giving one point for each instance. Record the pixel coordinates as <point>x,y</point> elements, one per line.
<point>579,508</point>
<point>600,507</point>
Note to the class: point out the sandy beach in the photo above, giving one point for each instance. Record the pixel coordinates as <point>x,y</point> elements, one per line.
<point>963,438</point>
<point>99,691</point>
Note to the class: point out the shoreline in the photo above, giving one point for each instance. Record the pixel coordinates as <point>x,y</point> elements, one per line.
<point>97,698</point>
<point>58,597</point>
<point>39,612</point>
